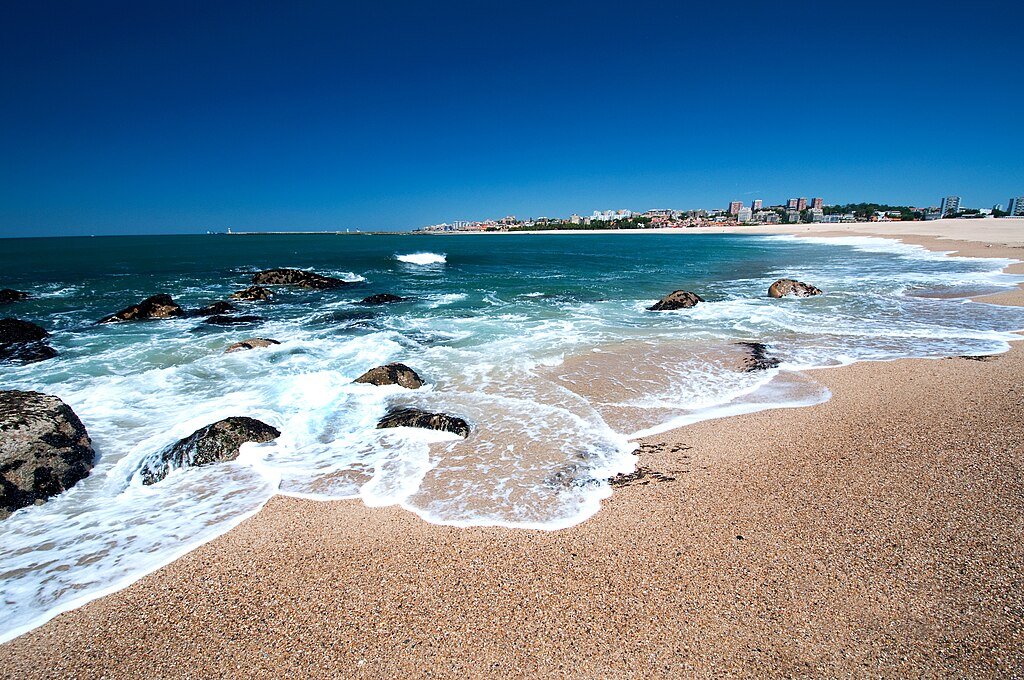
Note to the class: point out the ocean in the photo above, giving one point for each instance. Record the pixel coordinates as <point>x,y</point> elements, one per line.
<point>542,342</point>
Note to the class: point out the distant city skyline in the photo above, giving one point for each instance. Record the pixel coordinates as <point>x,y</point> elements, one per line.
<point>126,117</point>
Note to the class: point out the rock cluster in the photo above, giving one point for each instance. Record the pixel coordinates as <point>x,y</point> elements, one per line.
<point>222,320</point>
<point>411,417</point>
<point>391,374</point>
<point>22,342</point>
<point>44,449</point>
<point>211,444</point>
<point>251,343</point>
<point>252,294</point>
<point>219,307</point>
<point>679,299</point>
<point>381,299</point>
<point>297,277</point>
<point>156,307</point>
<point>784,287</point>
<point>8,295</point>
<point>757,358</point>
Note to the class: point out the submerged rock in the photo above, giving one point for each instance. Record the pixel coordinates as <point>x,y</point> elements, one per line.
<point>23,342</point>
<point>297,277</point>
<point>44,449</point>
<point>251,343</point>
<point>757,359</point>
<point>16,330</point>
<point>211,444</point>
<point>252,294</point>
<point>679,299</point>
<point>221,320</point>
<point>391,374</point>
<point>8,295</point>
<point>156,307</point>
<point>382,299</point>
<point>784,287</point>
<point>219,307</point>
<point>411,417</point>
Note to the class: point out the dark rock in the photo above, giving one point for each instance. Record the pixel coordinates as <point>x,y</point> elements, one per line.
<point>680,299</point>
<point>391,374</point>
<point>16,330</point>
<point>219,307</point>
<point>252,294</point>
<point>8,295</point>
<point>156,307</point>
<point>757,358</point>
<point>641,476</point>
<point>211,444</point>
<point>251,343</point>
<point>221,320</point>
<point>784,287</point>
<point>297,277</point>
<point>411,417</point>
<point>44,449</point>
<point>382,299</point>
<point>22,342</point>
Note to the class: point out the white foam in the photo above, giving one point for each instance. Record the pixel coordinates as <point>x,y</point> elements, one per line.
<point>538,455</point>
<point>422,258</point>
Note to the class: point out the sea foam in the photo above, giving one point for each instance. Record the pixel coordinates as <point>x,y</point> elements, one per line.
<point>422,258</point>
<point>555,387</point>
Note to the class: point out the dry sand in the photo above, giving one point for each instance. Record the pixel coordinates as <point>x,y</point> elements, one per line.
<point>877,534</point>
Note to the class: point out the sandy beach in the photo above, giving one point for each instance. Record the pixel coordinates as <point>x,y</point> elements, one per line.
<point>876,534</point>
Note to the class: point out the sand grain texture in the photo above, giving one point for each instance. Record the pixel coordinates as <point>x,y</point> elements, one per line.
<point>877,534</point>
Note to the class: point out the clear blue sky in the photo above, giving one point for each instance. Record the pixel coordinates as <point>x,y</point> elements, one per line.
<point>146,117</point>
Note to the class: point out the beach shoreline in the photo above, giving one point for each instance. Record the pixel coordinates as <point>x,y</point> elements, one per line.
<point>876,533</point>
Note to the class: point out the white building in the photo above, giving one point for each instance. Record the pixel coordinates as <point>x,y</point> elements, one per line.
<point>950,204</point>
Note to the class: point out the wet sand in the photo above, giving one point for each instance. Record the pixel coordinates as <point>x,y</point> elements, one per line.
<point>878,533</point>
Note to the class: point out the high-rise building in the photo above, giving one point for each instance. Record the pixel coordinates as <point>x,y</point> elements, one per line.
<point>734,207</point>
<point>950,204</point>
<point>792,203</point>
<point>817,203</point>
<point>801,204</point>
<point>756,205</point>
<point>1016,208</point>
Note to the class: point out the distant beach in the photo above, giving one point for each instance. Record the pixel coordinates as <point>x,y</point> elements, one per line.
<point>873,533</point>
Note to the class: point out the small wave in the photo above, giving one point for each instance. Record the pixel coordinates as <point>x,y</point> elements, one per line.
<point>423,258</point>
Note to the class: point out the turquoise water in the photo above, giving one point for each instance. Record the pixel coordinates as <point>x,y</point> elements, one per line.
<point>542,342</point>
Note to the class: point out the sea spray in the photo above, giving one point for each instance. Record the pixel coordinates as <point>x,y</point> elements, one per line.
<point>543,343</point>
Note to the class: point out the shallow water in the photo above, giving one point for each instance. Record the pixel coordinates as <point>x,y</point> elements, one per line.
<point>542,342</point>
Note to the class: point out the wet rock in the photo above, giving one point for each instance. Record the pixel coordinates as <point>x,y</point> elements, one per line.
<point>252,294</point>
<point>251,343</point>
<point>156,307</point>
<point>757,358</point>
<point>22,342</point>
<point>784,287</point>
<point>219,307</point>
<point>382,299</point>
<point>221,320</point>
<point>411,417</point>
<point>7,295</point>
<point>680,299</point>
<point>297,277</point>
<point>391,374</point>
<point>641,476</point>
<point>44,449</point>
<point>16,330</point>
<point>208,445</point>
